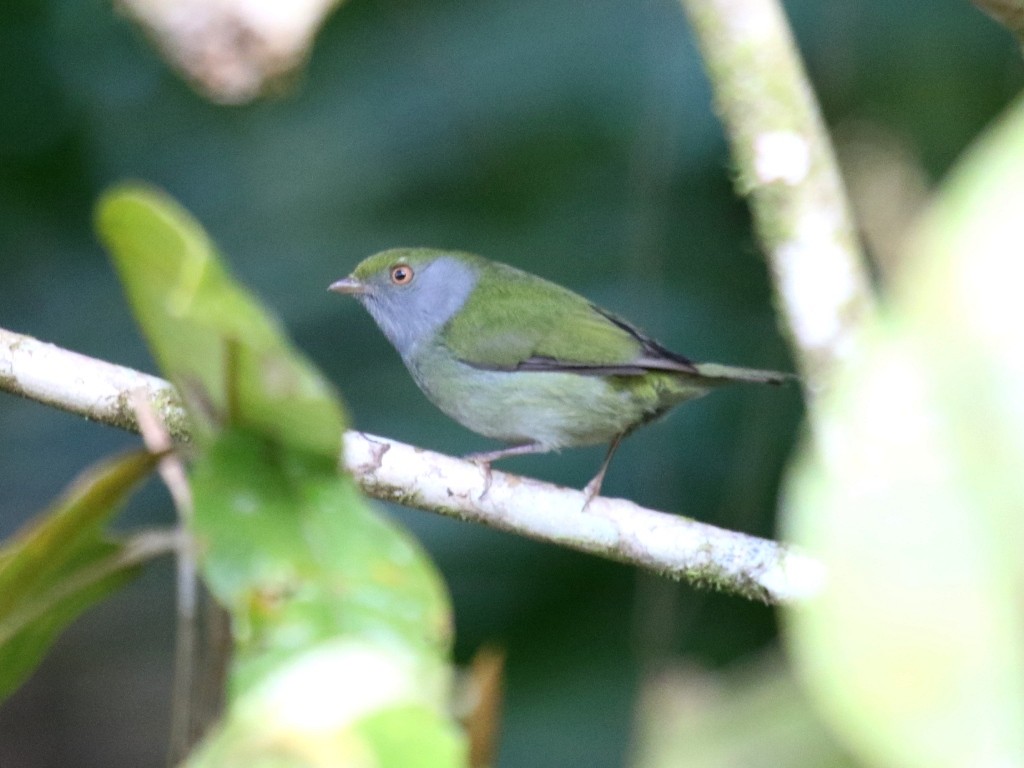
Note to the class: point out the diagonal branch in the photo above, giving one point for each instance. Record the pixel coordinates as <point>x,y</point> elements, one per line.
<point>673,546</point>
<point>784,162</point>
<point>83,385</point>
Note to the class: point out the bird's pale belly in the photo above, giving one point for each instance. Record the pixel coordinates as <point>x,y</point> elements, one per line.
<point>554,409</point>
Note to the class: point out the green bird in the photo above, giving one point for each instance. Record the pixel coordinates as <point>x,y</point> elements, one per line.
<point>517,358</point>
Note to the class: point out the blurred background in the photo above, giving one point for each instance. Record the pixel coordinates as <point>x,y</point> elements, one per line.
<point>573,138</point>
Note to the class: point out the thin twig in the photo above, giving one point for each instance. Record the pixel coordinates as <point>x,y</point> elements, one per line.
<point>172,472</point>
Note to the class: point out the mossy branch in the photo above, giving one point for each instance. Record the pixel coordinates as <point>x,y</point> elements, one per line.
<point>785,164</point>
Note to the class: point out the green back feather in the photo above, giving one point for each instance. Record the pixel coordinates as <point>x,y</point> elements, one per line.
<point>512,317</point>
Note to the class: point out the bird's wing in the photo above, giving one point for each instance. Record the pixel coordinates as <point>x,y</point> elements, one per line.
<point>535,325</point>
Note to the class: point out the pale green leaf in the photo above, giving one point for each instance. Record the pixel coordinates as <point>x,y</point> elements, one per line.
<point>228,357</point>
<point>915,497</point>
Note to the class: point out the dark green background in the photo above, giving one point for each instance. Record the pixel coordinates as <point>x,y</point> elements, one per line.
<point>574,138</point>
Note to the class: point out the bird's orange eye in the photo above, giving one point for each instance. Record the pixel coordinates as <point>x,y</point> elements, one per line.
<point>401,274</point>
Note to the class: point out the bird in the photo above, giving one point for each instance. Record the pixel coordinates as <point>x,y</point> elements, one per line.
<point>520,359</point>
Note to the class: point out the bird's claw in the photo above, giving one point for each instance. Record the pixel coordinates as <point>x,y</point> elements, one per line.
<point>485,467</point>
<point>591,491</point>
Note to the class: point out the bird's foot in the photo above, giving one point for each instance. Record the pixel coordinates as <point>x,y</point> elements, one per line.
<point>592,490</point>
<point>483,461</point>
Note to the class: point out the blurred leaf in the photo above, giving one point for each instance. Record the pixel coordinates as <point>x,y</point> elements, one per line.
<point>315,562</point>
<point>753,715</point>
<point>915,498</point>
<point>413,735</point>
<point>341,624</point>
<point>228,358</point>
<point>314,713</point>
<point>61,563</point>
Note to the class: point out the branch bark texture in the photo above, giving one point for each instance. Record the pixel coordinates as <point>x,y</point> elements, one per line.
<point>673,546</point>
<point>785,163</point>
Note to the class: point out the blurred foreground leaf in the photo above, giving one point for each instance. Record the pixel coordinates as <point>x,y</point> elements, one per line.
<point>341,624</point>
<point>61,563</point>
<point>229,359</point>
<point>915,498</point>
<point>752,715</point>
<point>314,561</point>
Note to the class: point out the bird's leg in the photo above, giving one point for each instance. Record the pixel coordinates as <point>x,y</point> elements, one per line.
<point>593,488</point>
<point>515,450</point>
<point>483,460</point>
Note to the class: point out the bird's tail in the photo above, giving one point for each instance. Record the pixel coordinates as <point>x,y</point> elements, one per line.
<point>727,373</point>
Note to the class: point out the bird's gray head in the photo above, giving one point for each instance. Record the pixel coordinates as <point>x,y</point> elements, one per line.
<point>412,292</point>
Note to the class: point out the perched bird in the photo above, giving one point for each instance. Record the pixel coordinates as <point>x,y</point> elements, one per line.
<point>517,358</point>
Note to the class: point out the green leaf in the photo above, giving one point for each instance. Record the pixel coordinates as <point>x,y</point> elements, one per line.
<point>412,735</point>
<point>61,563</point>
<point>915,498</point>
<point>228,357</point>
<point>341,624</point>
<point>753,714</point>
<point>344,704</point>
<point>338,616</point>
<point>315,562</point>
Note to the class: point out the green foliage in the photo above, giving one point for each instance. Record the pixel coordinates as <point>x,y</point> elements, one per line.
<point>915,497</point>
<point>753,715</point>
<point>229,358</point>
<point>341,624</point>
<point>62,563</point>
<point>314,562</point>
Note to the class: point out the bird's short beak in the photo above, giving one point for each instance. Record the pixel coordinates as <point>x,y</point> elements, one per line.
<point>349,285</point>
